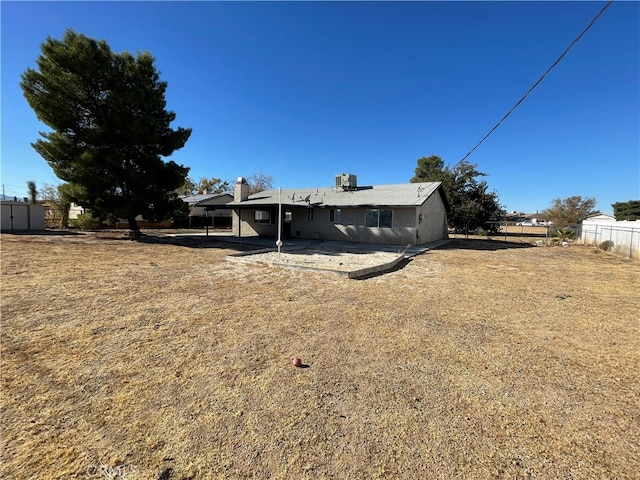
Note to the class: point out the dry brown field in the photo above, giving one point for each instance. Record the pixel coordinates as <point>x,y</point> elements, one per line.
<point>159,360</point>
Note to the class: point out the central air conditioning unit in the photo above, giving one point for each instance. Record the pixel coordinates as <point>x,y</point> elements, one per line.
<point>347,181</point>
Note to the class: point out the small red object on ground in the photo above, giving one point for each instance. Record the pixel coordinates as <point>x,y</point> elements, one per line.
<point>297,362</point>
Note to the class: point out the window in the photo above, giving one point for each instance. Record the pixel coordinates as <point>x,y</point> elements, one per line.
<point>309,214</point>
<point>378,218</point>
<point>261,216</point>
<point>386,217</point>
<point>371,218</point>
<point>335,215</point>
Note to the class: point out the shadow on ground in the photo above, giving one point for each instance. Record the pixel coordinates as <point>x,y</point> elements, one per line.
<point>47,232</point>
<point>482,244</point>
<point>399,266</point>
<point>256,243</point>
<point>198,242</point>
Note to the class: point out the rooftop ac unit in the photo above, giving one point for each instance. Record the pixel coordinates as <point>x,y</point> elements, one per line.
<point>347,181</point>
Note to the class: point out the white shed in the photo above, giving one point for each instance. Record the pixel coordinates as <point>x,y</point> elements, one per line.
<point>21,216</point>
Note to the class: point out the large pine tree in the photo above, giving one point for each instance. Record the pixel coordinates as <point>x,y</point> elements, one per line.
<point>627,210</point>
<point>109,128</point>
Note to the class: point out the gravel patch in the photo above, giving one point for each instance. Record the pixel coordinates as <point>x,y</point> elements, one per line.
<point>321,259</point>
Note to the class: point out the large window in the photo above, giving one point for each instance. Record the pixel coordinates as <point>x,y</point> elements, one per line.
<point>378,218</point>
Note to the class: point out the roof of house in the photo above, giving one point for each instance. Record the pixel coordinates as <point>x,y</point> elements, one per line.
<point>217,199</point>
<point>398,195</point>
<point>202,198</point>
<point>599,216</point>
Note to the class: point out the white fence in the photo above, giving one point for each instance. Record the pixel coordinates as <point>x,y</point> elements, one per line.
<point>624,235</point>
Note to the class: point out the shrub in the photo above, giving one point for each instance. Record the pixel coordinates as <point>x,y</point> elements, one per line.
<point>607,245</point>
<point>85,222</point>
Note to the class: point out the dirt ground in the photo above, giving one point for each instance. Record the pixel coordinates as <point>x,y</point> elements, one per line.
<point>161,360</point>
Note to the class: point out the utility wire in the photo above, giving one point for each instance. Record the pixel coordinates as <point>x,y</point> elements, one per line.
<point>539,80</point>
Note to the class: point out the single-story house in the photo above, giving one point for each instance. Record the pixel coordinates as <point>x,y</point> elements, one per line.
<point>21,216</point>
<point>203,211</point>
<point>401,214</point>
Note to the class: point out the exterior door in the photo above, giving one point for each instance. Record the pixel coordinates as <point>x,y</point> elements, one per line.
<point>286,223</point>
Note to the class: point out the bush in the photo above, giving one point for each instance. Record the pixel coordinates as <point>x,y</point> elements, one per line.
<point>607,245</point>
<point>85,222</point>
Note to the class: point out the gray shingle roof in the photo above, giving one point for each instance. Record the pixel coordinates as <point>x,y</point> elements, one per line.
<point>201,197</point>
<point>217,199</point>
<point>398,195</point>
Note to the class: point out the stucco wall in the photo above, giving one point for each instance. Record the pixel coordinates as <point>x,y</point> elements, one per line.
<point>351,226</point>
<point>248,228</point>
<point>432,226</point>
<point>434,220</point>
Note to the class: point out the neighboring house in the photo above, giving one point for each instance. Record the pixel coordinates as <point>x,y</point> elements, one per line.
<point>203,211</point>
<point>526,219</point>
<point>198,216</point>
<point>21,216</point>
<point>75,210</point>
<point>54,216</point>
<point>412,213</point>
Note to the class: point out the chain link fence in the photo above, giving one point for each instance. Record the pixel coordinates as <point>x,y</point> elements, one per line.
<point>622,237</point>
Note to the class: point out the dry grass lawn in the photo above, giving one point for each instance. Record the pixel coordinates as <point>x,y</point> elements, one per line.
<point>480,359</point>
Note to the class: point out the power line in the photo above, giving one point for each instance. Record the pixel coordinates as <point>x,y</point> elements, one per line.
<point>539,80</point>
<point>13,190</point>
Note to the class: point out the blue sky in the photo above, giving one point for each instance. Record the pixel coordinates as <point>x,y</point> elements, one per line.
<point>302,91</point>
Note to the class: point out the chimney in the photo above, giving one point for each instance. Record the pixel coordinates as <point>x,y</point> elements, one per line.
<point>241,190</point>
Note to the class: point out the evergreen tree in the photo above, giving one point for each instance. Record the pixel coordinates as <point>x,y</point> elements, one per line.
<point>212,185</point>
<point>627,210</point>
<point>472,206</point>
<point>33,192</point>
<point>109,128</point>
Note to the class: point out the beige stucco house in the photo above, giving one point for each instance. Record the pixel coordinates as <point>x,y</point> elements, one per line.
<point>401,214</point>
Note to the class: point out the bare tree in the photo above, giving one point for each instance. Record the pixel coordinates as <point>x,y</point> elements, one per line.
<point>258,182</point>
<point>56,206</point>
